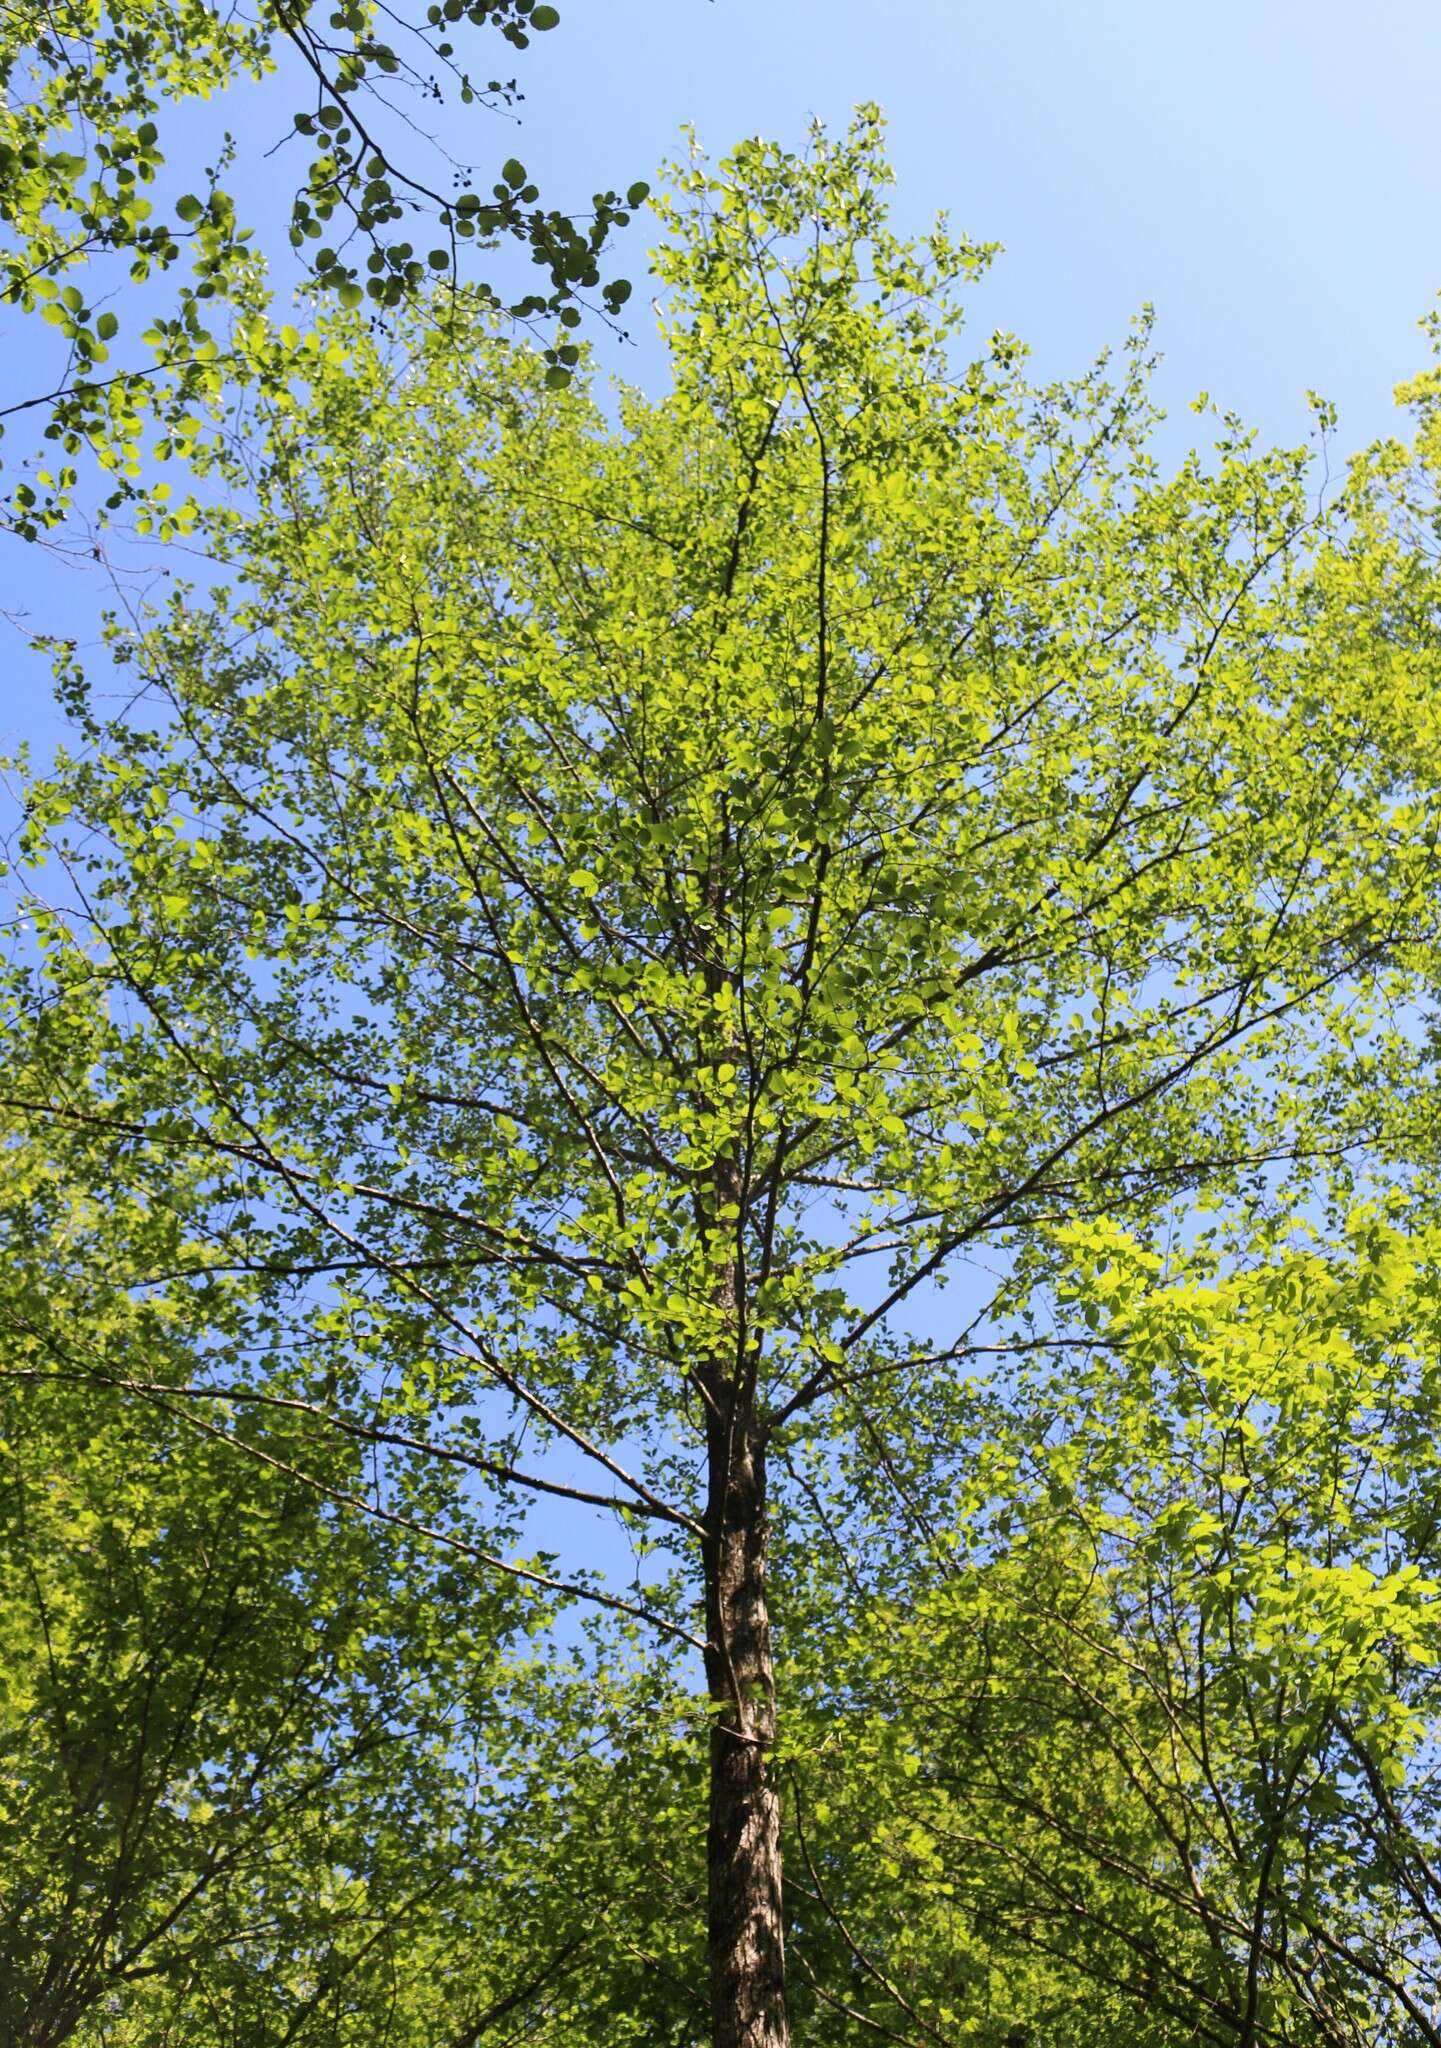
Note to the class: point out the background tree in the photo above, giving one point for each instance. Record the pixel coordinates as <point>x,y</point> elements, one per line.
<point>270,1772</point>
<point>643,902</point>
<point>1154,1754</point>
<point>94,201</point>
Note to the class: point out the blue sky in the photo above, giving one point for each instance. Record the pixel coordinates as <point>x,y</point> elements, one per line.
<point>1268,174</point>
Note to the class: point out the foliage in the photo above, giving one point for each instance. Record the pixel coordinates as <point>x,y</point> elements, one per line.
<point>93,198</point>
<point>268,1771</point>
<point>1155,1747</point>
<point>639,902</point>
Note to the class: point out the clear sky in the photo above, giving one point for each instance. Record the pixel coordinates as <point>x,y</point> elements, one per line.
<point>1266,172</point>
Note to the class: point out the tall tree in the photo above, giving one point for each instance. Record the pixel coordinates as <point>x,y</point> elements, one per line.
<point>642,901</point>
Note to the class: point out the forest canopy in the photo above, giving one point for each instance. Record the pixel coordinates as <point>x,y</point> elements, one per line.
<point>722,1289</point>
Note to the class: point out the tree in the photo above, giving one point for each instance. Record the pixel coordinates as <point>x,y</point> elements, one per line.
<point>268,1772</point>
<point>1152,1754</point>
<point>1265,1516</point>
<point>90,203</point>
<point>962,1836</point>
<point>640,903</point>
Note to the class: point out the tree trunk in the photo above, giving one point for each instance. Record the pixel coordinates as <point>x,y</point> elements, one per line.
<point>746,1935</point>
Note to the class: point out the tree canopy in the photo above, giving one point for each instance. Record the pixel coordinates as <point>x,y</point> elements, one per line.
<point>706,959</point>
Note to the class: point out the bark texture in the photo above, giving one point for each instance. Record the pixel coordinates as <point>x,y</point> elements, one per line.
<point>747,1938</point>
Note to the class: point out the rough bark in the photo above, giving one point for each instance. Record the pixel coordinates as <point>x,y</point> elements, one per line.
<point>746,1934</point>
